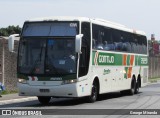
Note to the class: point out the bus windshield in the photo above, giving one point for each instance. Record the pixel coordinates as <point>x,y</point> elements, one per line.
<point>47,56</point>
<point>50,29</point>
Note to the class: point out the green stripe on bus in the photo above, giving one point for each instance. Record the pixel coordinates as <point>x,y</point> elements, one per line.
<point>128,60</point>
<point>117,59</point>
<point>141,60</point>
<point>106,58</point>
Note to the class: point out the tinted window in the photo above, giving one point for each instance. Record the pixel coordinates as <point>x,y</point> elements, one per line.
<point>50,29</point>
<point>142,44</point>
<point>85,55</point>
<point>102,39</point>
<point>105,38</point>
<point>118,40</point>
<point>126,45</point>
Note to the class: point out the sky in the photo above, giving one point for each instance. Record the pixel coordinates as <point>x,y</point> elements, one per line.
<point>135,14</point>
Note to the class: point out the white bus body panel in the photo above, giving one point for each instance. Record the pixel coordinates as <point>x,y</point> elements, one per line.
<point>78,89</point>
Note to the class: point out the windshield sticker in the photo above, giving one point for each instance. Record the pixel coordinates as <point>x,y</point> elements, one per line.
<point>62,62</point>
<point>50,42</point>
<point>33,78</point>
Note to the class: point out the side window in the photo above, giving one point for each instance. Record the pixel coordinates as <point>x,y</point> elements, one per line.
<point>85,55</point>
<point>126,46</point>
<point>130,42</point>
<point>144,44</point>
<point>108,43</point>
<point>105,38</point>
<point>95,36</point>
<point>98,37</point>
<point>139,44</point>
<point>134,44</point>
<point>118,40</point>
<point>122,41</point>
<point>102,38</point>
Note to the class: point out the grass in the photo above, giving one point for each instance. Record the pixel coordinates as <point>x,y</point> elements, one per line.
<point>153,80</point>
<point>9,92</point>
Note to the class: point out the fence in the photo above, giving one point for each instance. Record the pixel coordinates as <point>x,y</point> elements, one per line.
<point>154,67</point>
<point>8,65</point>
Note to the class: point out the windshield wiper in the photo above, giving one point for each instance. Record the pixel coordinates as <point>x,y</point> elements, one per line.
<point>37,60</point>
<point>49,65</point>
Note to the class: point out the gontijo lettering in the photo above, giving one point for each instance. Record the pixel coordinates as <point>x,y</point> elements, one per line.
<point>106,59</point>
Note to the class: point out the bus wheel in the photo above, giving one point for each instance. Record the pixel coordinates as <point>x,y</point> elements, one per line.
<point>94,93</point>
<point>137,87</point>
<point>44,100</point>
<point>133,87</point>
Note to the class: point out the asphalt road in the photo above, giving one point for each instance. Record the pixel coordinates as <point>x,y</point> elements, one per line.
<point>147,98</point>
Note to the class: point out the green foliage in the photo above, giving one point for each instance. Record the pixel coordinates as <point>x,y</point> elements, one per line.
<point>9,92</point>
<point>10,30</point>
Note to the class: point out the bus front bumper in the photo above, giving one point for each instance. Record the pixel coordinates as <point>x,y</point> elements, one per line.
<point>66,90</point>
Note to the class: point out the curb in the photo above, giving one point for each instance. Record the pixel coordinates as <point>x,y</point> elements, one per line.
<point>4,102</point>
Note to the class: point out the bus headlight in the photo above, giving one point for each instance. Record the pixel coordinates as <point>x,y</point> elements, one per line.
<point>23,81</point>
<point>69,81</point>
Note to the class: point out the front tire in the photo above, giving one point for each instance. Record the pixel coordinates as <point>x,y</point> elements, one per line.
<point>44,100</point>
<point>132,90</point>
<point>94,93</point>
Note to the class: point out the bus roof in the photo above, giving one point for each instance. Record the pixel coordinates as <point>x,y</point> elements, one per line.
<point>60,18</point>
<point>93,20</point>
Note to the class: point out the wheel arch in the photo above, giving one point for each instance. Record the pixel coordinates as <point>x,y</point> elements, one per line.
<point>96,80</point>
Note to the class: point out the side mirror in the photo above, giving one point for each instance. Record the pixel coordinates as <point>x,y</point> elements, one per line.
<point>78,43</point>
<point>11,42</point>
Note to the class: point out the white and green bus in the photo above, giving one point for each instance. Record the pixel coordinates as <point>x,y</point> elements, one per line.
<point>79,57</point>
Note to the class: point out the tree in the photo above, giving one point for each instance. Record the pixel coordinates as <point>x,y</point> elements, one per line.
<point>10,30</point>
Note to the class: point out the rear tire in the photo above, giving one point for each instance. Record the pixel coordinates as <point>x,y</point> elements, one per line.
<point>137,87</point>
<point>44,100</point>
<point>94,93</point>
